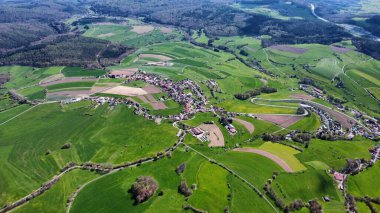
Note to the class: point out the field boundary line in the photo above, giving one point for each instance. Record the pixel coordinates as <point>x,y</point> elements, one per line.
<point>235,174</point>
<point>17,115</point>
<point>49,102</point>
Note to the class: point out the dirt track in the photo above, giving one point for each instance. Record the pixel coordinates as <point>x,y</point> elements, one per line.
<point>246,124</point>
<point>274,158</point>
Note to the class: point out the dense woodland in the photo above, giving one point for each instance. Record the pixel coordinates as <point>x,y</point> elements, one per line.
<point>32,31</point>
<point>69,51</point>
<point>222,20</point>
<point>23,22</point>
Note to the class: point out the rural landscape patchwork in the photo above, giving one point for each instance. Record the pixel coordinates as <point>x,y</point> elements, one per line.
<point>190,106</point>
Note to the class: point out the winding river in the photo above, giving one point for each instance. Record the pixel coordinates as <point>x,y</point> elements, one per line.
<point>352,29</point>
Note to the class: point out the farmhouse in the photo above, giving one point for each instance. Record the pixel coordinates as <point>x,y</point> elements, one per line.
<point>196,131</point>
<point>231,129</point>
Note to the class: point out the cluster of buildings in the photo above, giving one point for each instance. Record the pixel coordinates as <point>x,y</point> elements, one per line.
<point>185,92</point>
<point>375,152</point>
<point>333,126</point>
<point>200,134</point>
<point>373,124</point>
<point>315,92</point>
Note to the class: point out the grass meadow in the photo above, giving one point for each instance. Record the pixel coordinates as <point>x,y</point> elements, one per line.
<point>285,153</point>
<point>335,153</point>
<point>365,183</point>
<point>101,135</point>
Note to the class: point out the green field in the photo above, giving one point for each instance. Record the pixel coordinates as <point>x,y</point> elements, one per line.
<point>261,126</point>
<point>34,138</point>
<point>255,168</point>
<point>248,107</point>
<point>211,180</point>
<point>27,76</point>
<point>356,70</point>
<point>112,190</point>
<point>311,123</point>
<point>285,153</point>
<point>121,33</point>
<point>365,183</point>
<point>78,72</point>
<point>9,113</point>
<point>97,135</point>
<point>55,199</point>
<point>33,93</point>
<point>68,85</point>
<point>335,153</point>
<point>307,185</point>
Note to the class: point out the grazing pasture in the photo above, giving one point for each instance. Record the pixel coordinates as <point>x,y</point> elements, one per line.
<point>248,107</point>
<point>67,85</point>
<point>309,123</point>
<point>10,113</point>
<point>268,155</point>
<point>285,153</point>
<point>249,126</point>
<point>33,93</point>
<point>132,34</point>
<point>212,191</point>
<point>110,193</point>
<point>335,153</point>
<point>97,135</point>
<point>56,198</point>
<point>365,183</point>
<point>307,185</point>
<point>21,76</point>
<point>253,167</point>
<point>81,72</point>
